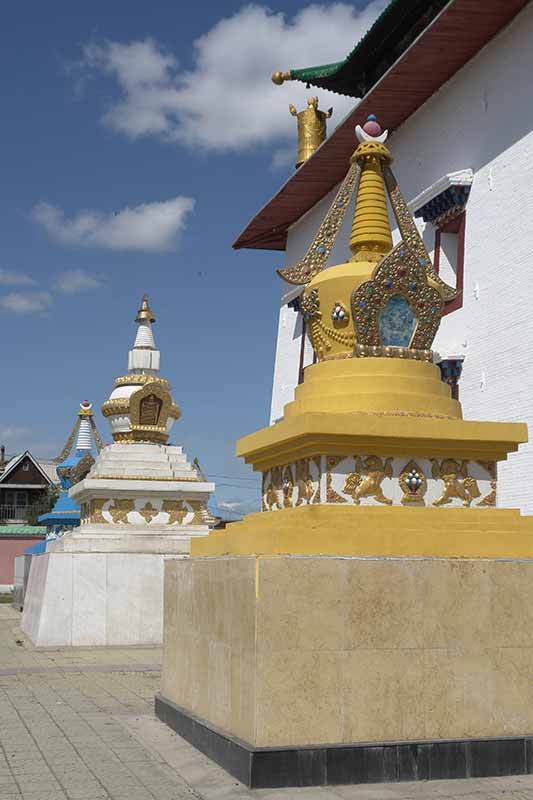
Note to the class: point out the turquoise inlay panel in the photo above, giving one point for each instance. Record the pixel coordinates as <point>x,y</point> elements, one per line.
<point>397,322</point>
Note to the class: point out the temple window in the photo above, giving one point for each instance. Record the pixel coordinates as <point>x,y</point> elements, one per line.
<point>448,258</point>
<point>450,372</point>
<point>443,204</point>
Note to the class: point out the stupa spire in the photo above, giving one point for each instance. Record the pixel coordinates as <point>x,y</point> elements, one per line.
<point>141,408</point>
<point>144,358</point>
<point>371,235</point>
<point>84,441</point>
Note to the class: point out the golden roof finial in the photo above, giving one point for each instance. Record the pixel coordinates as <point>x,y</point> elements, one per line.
<point>279,77</point>
<point>311,128</point>
<point>145,313</point>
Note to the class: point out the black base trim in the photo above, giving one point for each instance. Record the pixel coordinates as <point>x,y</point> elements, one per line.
<point>378,762</point>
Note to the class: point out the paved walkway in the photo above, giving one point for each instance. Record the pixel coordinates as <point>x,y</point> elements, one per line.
<point>78,724</point>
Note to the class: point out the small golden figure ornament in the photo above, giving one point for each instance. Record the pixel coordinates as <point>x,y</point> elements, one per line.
<point>367,479</point>
<point>457,482</point>
<point>311,128</point>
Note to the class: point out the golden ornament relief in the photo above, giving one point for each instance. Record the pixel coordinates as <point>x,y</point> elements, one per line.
<point>367,478</point>
<point>457,482</point>
<point>304,482</point>
<point>490,499</point>
<point>97,507</point>
<point>120,509</point>
<point>176,511</point>
<point>287,487</point>
<point>199,511</point>
<point>148,512</point>
<point>134,379</point>
<point>293,485</point>
<point>273,489</point>
<point>331,495</point>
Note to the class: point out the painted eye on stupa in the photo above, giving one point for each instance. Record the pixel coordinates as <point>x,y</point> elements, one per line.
<point>339,313</point>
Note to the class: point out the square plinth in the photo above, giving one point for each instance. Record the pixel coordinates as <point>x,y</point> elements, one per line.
<point>389,668</point>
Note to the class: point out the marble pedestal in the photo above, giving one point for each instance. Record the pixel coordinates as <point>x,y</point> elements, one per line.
<point>296,670</point>
<point>102,583</point>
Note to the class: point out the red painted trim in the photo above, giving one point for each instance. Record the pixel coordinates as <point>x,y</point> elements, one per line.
<point>457,225</point>
<point>436,251</point>
<point>302,350</point>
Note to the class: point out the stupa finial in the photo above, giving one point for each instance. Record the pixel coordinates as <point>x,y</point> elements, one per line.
<point>145,313</point>
<point>144,339</point>
<point>371,235</point>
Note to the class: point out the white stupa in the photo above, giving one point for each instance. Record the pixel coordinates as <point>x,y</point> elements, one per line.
<point>102,583</point>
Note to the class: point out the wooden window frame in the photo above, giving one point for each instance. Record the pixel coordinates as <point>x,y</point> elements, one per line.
<point>457,226</point>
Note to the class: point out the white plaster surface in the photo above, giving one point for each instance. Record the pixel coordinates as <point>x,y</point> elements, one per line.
<point>88,599</point>
<point>481,119</point>
<point>102,583</point>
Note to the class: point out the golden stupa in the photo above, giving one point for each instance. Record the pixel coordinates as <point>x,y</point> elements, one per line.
<point>373,457</point>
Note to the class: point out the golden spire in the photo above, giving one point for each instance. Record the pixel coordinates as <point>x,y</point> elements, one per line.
<point>145,313</point>
<point>371,236</point>
<point>311,128</point>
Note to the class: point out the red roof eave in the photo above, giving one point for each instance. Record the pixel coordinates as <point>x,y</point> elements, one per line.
<point>459,32</point>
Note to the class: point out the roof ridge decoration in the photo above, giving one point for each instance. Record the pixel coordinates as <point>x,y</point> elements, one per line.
<point>401,284</point>
<point>390,34</point>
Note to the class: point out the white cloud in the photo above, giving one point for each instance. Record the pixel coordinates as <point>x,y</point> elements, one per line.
<point>234,505</point>
<point>227,100</point>
<point>26,302</point>
<point>151,227</point>
<point>14,278</point>
<point>75,281</point>
<point>13,431</point>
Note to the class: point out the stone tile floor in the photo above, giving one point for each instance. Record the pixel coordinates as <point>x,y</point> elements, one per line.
<point>78,725</point>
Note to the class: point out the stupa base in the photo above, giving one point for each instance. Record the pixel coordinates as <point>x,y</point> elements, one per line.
<point>294,670</point>
<point>94,599</point>
<point>376,762</point>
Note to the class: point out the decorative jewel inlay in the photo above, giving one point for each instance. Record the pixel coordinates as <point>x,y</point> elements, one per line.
<point>339,314</point>
<point>313,261</point>
<point>413,483</point>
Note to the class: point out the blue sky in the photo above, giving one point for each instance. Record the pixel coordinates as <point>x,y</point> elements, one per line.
<point>138,140</point>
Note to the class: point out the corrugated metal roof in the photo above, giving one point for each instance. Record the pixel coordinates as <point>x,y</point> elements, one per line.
<point>22,530</point>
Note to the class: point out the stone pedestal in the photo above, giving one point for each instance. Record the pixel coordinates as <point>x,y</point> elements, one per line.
<point>102,583</point>
<point>295,670</point>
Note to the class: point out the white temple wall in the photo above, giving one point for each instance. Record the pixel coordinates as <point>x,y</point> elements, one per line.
<point>481,119</point>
